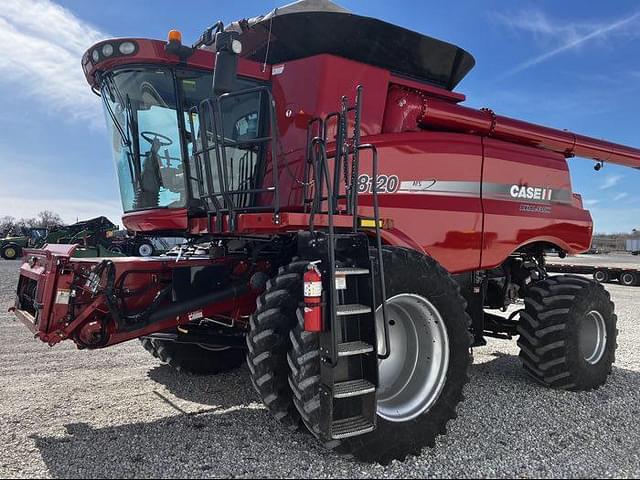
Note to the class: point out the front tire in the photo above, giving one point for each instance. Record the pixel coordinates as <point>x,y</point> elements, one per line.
<point>568,333</point>
<point>145,249</point>
<point>11,252</point>
<point>192,358</point>
<point>268,342</point>
<point>407,274</point>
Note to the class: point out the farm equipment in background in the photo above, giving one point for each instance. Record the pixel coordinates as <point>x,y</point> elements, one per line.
<point>352,228</point>
<point>12,245</point>
<point>94,238</point>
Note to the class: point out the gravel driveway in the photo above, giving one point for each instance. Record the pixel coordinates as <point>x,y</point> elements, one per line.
<point>119,413</point>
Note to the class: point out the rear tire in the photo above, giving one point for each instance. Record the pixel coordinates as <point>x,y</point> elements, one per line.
<point>268,342</point>
<point>601,276</point>
<point>406,272</point>
<point>192,358</point>
<point>11,252</point>
<point>628,279</point>
<point>568,333</point>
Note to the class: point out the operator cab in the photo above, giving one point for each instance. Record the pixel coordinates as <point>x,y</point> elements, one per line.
<point>154,124</point>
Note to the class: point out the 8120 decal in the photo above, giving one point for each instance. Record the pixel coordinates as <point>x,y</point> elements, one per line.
<point>384,184</point>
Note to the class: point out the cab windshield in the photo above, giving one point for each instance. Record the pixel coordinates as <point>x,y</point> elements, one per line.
<point>141,110</point>
<point>146,108</point>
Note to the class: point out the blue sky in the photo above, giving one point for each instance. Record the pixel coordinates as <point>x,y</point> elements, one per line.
<point>570,64</point>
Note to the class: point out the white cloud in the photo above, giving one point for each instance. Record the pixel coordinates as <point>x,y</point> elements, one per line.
<point>564,36</point>
<point>44,44</point>
<point>610,181</point>
<point>590,203</point>
<point>620,196</point>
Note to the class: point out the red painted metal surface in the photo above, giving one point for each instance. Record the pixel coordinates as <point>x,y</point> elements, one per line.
<point>445,115</point>
<point>153,51</point>
<point>160,219</point>
<point>57,275</point>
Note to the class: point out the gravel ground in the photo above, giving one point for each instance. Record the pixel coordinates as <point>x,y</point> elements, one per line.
<point>118,413</point>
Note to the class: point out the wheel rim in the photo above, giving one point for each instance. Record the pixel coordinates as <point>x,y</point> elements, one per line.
<point>413,376</point>
<point>10,252</point>
<point>628,279</point>
<point>600,276</point>
<point>592,337</point>
<point>145,250</point>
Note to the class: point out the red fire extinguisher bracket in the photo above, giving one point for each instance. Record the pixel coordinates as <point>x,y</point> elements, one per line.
<point>312,278</point>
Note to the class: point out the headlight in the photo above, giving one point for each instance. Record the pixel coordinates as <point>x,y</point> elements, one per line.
<point>96,56</point>
<point>236,46</point>
<point>127,48</point>
<point>107,50</point>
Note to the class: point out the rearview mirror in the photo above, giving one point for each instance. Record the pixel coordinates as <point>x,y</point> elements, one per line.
<point>228,48</point>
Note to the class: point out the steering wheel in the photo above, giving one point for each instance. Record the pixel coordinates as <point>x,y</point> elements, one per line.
<point>152,136</point>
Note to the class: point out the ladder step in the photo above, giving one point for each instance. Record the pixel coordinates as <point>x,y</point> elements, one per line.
<point>352,271</point>
<point>353,388</point>
<point>352,309</point>
<point>353,348</point>
<point>350,427</point>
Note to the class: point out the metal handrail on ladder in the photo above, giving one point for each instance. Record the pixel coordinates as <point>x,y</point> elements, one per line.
<point>320,167</point>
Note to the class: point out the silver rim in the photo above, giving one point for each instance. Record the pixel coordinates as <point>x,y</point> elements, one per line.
<point>593,337</point>
<point>145,250</point>
<point>413,376</point>
<point>627,278</point>
<point>600,276</point>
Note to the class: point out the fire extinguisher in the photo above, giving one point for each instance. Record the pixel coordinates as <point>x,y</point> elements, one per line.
<point>313,299</point>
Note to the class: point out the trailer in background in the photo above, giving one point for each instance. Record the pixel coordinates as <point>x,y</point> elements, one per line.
<point>626,276</point>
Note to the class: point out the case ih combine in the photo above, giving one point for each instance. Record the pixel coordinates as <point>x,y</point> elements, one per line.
<point>352,226</point>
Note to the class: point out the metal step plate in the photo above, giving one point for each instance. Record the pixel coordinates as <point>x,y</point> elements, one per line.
<point>353,388</point>
<point>353,348</point>
<point>352,271</point>
<point>351,427</point>
<point>352,309</point>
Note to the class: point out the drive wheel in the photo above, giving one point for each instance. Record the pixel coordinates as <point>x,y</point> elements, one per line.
<point>268,341</point>
<point>11,252</point>
<point>421,382</point>
<point>193,358</point>
<point>568,333</point>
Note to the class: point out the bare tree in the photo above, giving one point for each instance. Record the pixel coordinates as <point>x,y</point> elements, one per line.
<point>49,219</point>
<point>7,225</point>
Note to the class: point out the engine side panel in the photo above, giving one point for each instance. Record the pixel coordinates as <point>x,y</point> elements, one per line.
<point>527,197</point>
<point>429,187</point>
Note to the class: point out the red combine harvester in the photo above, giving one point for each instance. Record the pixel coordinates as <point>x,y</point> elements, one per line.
<point>351,226</point>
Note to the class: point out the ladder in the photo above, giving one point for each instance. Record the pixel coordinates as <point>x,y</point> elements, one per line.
<point>353,277</point>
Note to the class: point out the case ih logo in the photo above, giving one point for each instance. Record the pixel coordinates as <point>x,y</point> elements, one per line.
<point>531,193</point>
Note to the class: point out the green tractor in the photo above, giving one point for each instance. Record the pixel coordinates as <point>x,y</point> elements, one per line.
<point>12,245</point>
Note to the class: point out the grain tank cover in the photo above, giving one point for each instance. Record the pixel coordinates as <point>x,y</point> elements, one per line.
<point>312,27</point>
